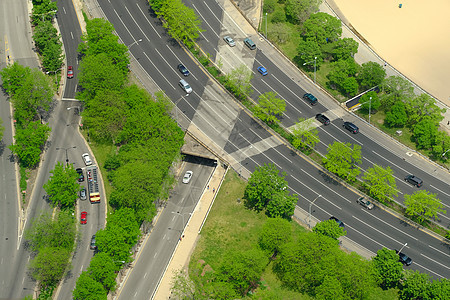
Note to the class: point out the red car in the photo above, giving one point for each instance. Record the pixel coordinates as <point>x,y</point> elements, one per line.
<point>83,219</point>
<point>69,72</point>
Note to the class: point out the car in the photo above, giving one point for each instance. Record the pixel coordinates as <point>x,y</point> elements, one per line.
<point>351,127</point>
<point>87,159</point>
<point>83,194</point>
<point>183,70</point>
<point>83,218</point>
<point>229,41</point>
<point>403,258</point>
<point>185,86</point>
<point>339,222</point>
<point>80,174</point>
<point>249,43</point>
<point>323,119</point>
<point>187,176</point>
<point>364,202</point>
<point>414,180</point>
<point>93,246</point>
<point>262,70</point>
<point>69,72</point>
<point>310,98</point>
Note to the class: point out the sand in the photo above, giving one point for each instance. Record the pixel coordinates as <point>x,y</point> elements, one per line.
<point>414,39</point>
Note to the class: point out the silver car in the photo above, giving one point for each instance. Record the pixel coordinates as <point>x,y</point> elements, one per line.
<point>83,194</point>
<point>364,202</point>
<point>229,41</point>
<point>187,177</point>
<point>185,86</point>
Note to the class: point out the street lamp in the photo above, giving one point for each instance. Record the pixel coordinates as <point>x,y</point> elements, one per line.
<point>266,25</point>
<point>180,214</point>
<point>67,156</point>
<point>242,154</point>
<point>77,107</point>
<point>315,59</point>
<point>310,205</point>
<point>402,247</point>
<point>443,154</point>
<point>135,42</point>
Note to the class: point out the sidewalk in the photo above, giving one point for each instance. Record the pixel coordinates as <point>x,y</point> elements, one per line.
<point>186,245</point>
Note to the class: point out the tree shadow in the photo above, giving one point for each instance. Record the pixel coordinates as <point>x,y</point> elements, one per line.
<point>328,179</point>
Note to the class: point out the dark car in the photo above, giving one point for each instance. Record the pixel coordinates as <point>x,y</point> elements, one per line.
<point>80,174</point>
<point>414,180</point>
<point>69,72</point>
<point>183,70</point>
<point>93,246</point>
<point>83,218</point>
<point>403,258</point>
<point>339,222</point>
<point>323,119</point>
<point>351,127</point>
<point>310,98</point>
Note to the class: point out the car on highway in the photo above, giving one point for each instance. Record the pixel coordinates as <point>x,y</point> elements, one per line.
<point>249,43</point>
<point>229,41</point>
<point>339,222</point>
<point>93,246</point>
<point>416,181</point>
<point>185,86</point>
<point>187,176</point>
<point>87,159</point>
<point>351,127</point>
<point>83,194</point>
<point>310,98</point>
<point>323,119</point>
<point>403,258</point>
<point>69,72</point>
<point>262,70</point>
<point>183,70</point>
<point>83,217</point>
<point>80,174</point>
<point>364,202</point>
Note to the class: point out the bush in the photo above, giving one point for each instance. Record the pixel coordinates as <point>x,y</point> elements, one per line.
<point>269,6</point>
<point>278,16</point>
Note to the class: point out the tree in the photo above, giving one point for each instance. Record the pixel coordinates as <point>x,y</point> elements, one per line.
<point>102,269</point>
<point>49,264</point>
<point>274,234</point>
<point>416,285</point>
<point>344,48</point>
<point>62,187</point>
<point>182,287</point>
<point>371,74</point>
<point>423,107</point>
<point>397,116</point>
<point>350,86</point>
<point>111,241</point>
<point>281,205</point>
<point>329,228</point>
<point>43,11</point>
<point>370,101</point>
<point>262,185</point>
<point>2,129</point>
<point>330,288</point>
<point>425,133</point>
<point>423,205</point>
<point>341,159</point>
<point>238,81</point>
<point>280,32</point>
<point>341,70</point>
<point>270,107</point>
<point>440,289</point>
<point>278,16</point>
<point>322,27</point>
<point>269,6</point>
<point>88,288</point>
<point>442,144</point>
<point>389,270</point>
<point>52,56</point>
<point>305,135</point>
<point>300,10</point>
<point>380,183</point>
<point>126,219</point>
<point>12,77</point>
<point>308,52</point>
<point>396,89</point>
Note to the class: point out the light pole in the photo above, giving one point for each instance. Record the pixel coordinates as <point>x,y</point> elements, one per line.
<point>242,154</point>
<point>77,107</point>
<point>135,42</point>
<point>315,59</point>
<point>402,247</point>
<point>180,214</point>
<point>443,154</point>
<point>310,205</point>
<point>67,155</point>
<point>266,25</point>
<point>370,106</point>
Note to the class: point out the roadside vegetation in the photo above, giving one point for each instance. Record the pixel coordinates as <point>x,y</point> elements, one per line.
<point>274,258</point>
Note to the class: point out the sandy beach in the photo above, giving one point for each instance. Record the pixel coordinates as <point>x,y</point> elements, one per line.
<point>414,39</point>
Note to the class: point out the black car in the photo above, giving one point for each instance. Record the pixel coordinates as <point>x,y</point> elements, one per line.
<point>403,258</point>
<point>310,98</point>
<point>183,70</point>
<point>93,246</point>
<point>339,222</point>
<point>80,175</point>
<point>414,180</point>
<point>323,119</point>
<point>351,127</point>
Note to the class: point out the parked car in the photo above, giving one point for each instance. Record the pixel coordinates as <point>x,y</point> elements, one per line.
<point>93,246</point>
<point>262,70</point>
<point>249,43</point>
<point>183,70</point>
<point>323,119</point>
<point>80,174</point>
<point>414,180</point>
<point>83,218</point>
<point>364,202</point>
<point>69,72</point>
<point>187,176</point>
<point>310,98</point>
<point>229,41</point>
<point>351,127</point>
<point>185,86</point>
<point>87,159</point>
<point>339,222</point>
<point>83,194</point>
<point>403,258</point>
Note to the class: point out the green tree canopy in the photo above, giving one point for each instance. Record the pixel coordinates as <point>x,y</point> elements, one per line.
<point>274,234</point>
<point>423,205</point>
<point>388,269</point>
<point>322,27</point>
<point>329,228</point>
<point>13,76</point>
<point>380,183</point>
<point>340,71</point>
<point>62,187</point>
<point>111,241</point>
<point>49,264</point>
<point>280,32</point>
<point>342,159</point>
<point>308,52</point>
<point>306,136</point>
<point>423,107</point>
<point>102,269</point>
<point>88,288</point>
<point>239,81</point>
<point>299,11</point>
<point>396,89</point>
<point>416,285</point>
<point>370,101</point>
<point>270,107</point>
<point>281,205</point>
<point>371,75</point>
<point>396,117</point>
<point>344,48</point>
<point>425,133</point>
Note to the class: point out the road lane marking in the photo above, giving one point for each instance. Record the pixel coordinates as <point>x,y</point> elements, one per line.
<point>157,69</point>
<point>307,174</point>
<point>382,221</point>
<point>391,162</point>
<point>442,252</point>
<point>442,265</point>
<point>429,270</point>
<point>338,207</point>
<point>375,229</point>
<point>362,234</point>
<point>145,15</point>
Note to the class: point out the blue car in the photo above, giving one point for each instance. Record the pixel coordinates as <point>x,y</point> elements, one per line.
<point>262,70</point>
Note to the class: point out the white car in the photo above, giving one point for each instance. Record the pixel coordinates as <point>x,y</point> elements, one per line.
<point>229,41</point>
<point>187,177</point>
<point>185,86</point>
<point>87,159</point>
<point>364,202</point>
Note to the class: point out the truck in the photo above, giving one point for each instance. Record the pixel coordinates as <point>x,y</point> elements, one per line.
<point>92,181</point>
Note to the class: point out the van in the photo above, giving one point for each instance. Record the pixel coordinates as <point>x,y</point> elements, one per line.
<point>249,43</point>
<point>185,86</point>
